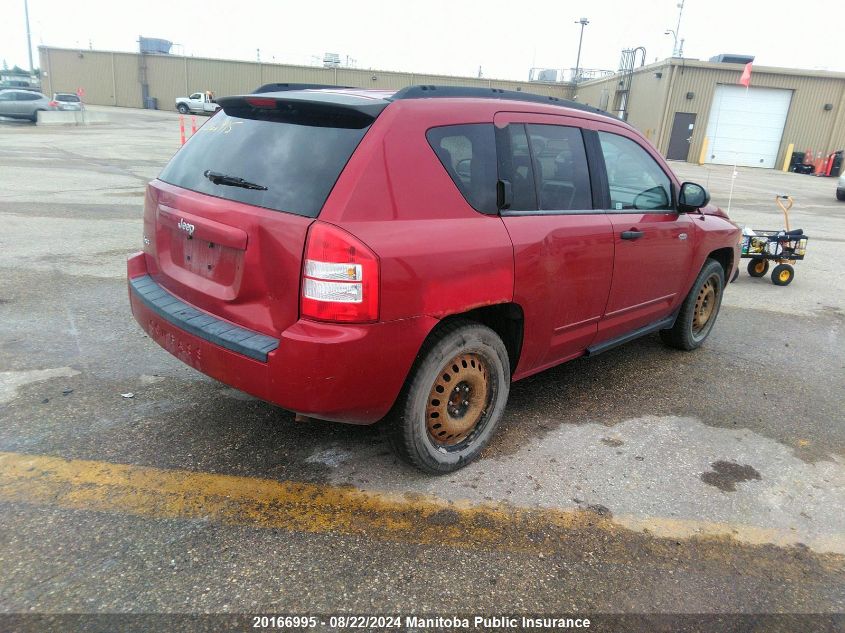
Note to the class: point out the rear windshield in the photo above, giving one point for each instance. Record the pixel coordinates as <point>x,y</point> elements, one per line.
<point>68,98</point>
<point>298,159</point>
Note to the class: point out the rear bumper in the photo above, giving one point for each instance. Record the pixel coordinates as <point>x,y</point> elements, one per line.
<point>346,373</point>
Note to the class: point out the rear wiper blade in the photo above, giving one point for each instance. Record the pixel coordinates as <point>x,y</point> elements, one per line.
<point>233,181</point>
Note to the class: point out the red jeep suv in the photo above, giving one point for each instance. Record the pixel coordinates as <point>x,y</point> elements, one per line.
<point>354,255</point>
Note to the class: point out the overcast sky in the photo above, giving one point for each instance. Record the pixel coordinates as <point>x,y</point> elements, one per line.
<point>505,38</point>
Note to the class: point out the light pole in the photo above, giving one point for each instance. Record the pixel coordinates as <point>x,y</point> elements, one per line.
<point>675,44</point>
<point>28,38</point>
<point>583,22</point>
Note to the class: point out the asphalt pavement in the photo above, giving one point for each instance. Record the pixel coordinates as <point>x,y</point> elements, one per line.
<point>641,480</point>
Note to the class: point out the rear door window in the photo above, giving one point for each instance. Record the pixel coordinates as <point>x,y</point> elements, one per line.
<point>468,154</point>
<point>546,166</point>
<point>297,157</point>
<point>560,168</point>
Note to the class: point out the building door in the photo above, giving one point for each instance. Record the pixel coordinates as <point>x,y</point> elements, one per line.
<point>745,126</point>
<point>681,137</point>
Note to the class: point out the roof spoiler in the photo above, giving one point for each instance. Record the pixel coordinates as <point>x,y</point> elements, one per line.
<point>322,109</point>
<point>286,87</point>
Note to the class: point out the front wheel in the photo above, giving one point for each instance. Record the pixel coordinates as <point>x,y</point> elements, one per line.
<point>699,310</point>
<point>453,399</point>
<point>183,109</point>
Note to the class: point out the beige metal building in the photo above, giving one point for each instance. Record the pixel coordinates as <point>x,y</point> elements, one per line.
<point>697,111</point>
<point>690,110</point>
<point>112,78</point>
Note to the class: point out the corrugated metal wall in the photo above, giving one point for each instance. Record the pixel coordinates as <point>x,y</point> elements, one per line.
<point>646,101</point>
<point>655,100</point>
<point>125,78</point>
<point>808,124</point>
<point>114,78</point>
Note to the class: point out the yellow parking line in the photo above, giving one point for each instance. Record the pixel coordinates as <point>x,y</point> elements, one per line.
<point>261,503</point>
<point>180,494</point>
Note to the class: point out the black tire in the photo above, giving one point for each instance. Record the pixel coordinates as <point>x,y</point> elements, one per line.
<point>758,267</point>
<point>34,117</point>
<point>409,425</point>
<point>183,109</point>
<point>840,194</point>
<point>689,332</point>
<point>783,274</point>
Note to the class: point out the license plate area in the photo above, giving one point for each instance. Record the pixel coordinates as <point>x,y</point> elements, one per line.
<point>206,258</point>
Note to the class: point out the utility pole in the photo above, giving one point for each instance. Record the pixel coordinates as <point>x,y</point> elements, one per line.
<point>583,22</point>
<point>676,51</point>
<point>28,38</point>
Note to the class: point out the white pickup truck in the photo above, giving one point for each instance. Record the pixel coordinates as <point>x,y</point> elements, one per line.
<point>197,102</point>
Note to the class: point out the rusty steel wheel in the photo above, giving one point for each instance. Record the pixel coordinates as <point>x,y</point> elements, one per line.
<point>458,400</point>
<point>453,399</point>
<point>704,305</point>
<point>699,310</point>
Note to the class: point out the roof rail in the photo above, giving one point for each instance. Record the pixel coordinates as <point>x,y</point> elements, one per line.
<point>286,87</point>
<point>453,92</point>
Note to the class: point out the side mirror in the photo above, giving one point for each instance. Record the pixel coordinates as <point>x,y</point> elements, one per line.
<point>692,197</point>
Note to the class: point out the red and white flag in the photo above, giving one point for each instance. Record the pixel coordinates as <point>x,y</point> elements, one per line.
<point>745,80</point>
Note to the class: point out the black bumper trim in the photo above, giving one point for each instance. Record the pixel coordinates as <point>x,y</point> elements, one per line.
<point>200,324</point>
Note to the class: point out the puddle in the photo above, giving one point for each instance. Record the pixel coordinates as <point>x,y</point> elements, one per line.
<point>725,475</point>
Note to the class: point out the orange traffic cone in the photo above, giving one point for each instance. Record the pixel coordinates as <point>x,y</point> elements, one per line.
<point>182,128</point>
<point>819,165</point>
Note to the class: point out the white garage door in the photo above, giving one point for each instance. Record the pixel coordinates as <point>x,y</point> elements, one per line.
<point>746,128</point>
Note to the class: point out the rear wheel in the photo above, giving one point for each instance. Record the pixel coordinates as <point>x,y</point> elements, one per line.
<point>783,274</point>
<point>183,109</point>
<point>453,399</point>
<point>758,267</point>
<point>840,194</point>
<point>699,310</point>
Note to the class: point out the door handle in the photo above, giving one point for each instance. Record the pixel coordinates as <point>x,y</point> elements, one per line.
<point>632,235</point>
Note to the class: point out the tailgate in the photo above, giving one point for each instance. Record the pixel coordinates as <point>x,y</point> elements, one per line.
<point>235,261</point>
<point>228,217</point>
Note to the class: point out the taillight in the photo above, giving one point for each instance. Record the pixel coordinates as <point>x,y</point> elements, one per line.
<point>54,104</point>
<point>340,277</point>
